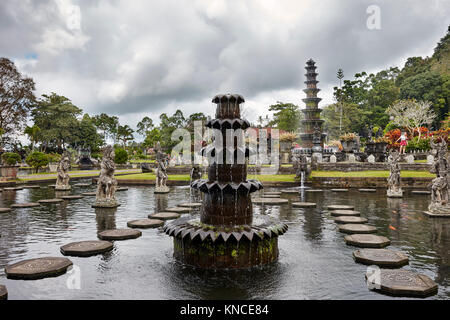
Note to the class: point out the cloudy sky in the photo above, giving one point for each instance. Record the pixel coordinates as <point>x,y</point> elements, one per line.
<point>134,58</point>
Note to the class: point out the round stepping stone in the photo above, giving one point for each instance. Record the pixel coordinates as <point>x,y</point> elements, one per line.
<point>89,194</point>
<point>50,201</point>
<point>367,240</point>
<point>119,234</point>
<point>420,192</point>
<point>86,248</point>
<point>9,189</point>
<point>31,187</point>
<point>145,223</point>
<point>74,197</point>
<point>40,268</point>
<point>179,209</point>
<point>3,293</point>
<point>346,213</point>
<point>25,205</point>
<point>4,210</point>
<point>381,257</point>
<point>82,184</point>
<point>344,219</point>
<point>51,186</point>
<point>314,190</point>
<point>291,191</point>
<point>304,204</point>
<point>399,282</point>
<point>339,190</point>
<point>164,216</point>
<point>121,189</point>
<point>356,228</point>
<point>340,207</point>
<point>270,196</point>
<point>367,190</point>
<point>272,193</point>
<point>190,205</point>
<point>270,201</point>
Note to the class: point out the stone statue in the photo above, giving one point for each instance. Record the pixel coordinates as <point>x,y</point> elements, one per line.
<point>62,179</point>
<point>394,187</point>
<point>107,183</point>
<point>440,185</point>
<point>161,175</point>
<point>300,164</point>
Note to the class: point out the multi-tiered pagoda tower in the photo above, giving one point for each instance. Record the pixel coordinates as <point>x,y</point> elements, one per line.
<point>226,235</point>
<point>312,124</point>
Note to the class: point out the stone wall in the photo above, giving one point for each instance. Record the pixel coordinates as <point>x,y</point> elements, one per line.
<point>364,166</point>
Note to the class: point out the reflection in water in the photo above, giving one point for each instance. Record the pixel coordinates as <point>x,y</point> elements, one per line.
<point>161,201</point>
<point>314,261</point>
<point>106,218</point>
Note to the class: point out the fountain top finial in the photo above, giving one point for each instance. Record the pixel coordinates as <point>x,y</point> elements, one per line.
<point>233,98</point>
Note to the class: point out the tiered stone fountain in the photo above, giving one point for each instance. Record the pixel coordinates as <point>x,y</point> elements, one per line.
<point>226,235</point>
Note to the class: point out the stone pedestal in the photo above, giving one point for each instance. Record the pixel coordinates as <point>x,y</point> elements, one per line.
<point>395,193</point>
<point>162,189</point>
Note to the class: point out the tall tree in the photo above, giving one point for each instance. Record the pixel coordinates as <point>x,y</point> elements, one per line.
<point>287,116</point>
<point>146,124</point>
<point>107,124</point>
<point>33,134</point>
<point>56,116</point>
<point>86,135</point>
<point>16,98</point>
<point>125,134</point>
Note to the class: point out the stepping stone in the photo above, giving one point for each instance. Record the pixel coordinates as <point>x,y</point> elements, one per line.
<point>50,201</point>
<point>74,197</point>
<point>313,190</point>
<point>339,190</point>
<point>437,215</point>
<point>179,209</point>
<point>381,257</point>
<point>340,207</point>
<point>51,186</point>
<point>86,248</point>
<point>338,213</point>
<point>420,192</point>
<point>291,191</point>
<point>89,194</point>
<point>4,210</point>
<point>367,240</point>
<point>191,205</point>
<point>31,187</point>
<point>82,184</point>
<point>9,189</point>
<point>272,193</point>
<point>25,205</point>
<point>164,216</point>
<point>344,219</point>
<point>40,268</point>
<point>270,201</point>
<point>401,283</point>
<point>3,293</point>
<point>145,223</point>
<point>356,228</point>
<point>304,204</point>
<point>367,190</point>
<point>119,234</point>
<point>268,196</point>
<point>121,189</point>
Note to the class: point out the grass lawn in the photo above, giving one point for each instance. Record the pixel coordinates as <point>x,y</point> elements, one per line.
<point>371,173</point>
<point>73,174</point>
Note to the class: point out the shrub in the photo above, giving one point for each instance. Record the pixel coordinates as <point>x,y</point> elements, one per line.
<point>37,160</point>
<point>288,137</point>
<point>121,156</point>
<point>416,144</point>
<point>347,137</point>
<point>53,157</point>
<point>11,158</point>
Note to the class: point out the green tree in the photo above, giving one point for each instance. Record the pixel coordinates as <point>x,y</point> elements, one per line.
<point>56,116</point>
<point>16,99</point>
<point>107,124</point>
<point>37,160</point>
<point>86,135</point>
<point>125,134</point>
<point>286,116</point>
<point>121,156</point>
<point>152,138</point>
<point>353,119</point>
<point>146,124</point>
<point>33,134</point>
